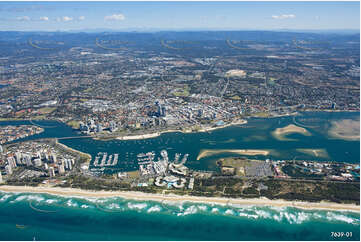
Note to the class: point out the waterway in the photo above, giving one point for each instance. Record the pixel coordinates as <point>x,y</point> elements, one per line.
<point>26,216</point>
<point>256,134</point>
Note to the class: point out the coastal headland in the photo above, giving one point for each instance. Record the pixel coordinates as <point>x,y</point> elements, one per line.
<point>72,192</point>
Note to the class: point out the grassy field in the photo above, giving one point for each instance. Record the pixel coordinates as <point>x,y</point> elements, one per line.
<point>183,93</point>
<point>46,110</point>
<point>74,124</point>
<point>238,163</point>
<point>133,174</point>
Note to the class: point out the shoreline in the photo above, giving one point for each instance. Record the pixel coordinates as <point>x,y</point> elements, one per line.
<point>89,157</point>
<point>74,192</point>
<point>187,131</point>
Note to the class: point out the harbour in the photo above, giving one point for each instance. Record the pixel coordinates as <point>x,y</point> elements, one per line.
<point>256,136</point>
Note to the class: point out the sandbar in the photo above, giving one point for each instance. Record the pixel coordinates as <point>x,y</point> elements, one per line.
<point>280,133</point>
<point>346,129</point>
<point>250,152</point>
<point>321,153</point>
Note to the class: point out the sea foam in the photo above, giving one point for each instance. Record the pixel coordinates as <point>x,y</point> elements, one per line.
<point>138,206</point>
<point>154,209</point>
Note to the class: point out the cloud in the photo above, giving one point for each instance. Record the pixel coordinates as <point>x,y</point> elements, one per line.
<point>44,18</point>
<point>66,18</point>
<point>117,17</point>
<point>23,18</point>
<point>283,16</point>
<point>81,18</point>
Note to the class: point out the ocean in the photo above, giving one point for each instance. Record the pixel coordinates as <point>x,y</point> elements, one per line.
<point>26,216</point>
<point>47,217</point>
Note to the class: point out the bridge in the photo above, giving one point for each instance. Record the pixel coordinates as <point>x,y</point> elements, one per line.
<point>62,138</point>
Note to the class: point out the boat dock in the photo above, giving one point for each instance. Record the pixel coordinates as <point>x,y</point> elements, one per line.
<point>115,160</point>
<point>111,160</point>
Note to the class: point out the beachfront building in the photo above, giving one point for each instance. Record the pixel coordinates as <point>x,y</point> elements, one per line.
<point>51,172</point>
<point>170,181</point>
<point>8,170</point>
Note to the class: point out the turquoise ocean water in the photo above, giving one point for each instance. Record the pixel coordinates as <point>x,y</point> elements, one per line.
<point>47,217</point>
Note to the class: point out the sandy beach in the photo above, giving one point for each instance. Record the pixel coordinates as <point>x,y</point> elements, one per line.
<point>206,153</point>
<point>156,134</point>
<point>72,192</point>
<point>141,136</point>
<point>207,129</point>
<point>75,151</point>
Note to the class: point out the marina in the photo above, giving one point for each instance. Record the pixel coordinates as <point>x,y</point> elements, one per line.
<point>106,161</point>
<point>257,137</point>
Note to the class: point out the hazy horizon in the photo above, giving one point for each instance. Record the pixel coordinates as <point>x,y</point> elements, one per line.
<point>120,16</point>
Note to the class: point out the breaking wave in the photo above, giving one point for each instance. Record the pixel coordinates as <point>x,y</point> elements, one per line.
<point>288,215</point>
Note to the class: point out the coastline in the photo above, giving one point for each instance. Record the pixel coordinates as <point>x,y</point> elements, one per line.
<point>74,192</point>
<point>75,151</point>
<point>187,131</point>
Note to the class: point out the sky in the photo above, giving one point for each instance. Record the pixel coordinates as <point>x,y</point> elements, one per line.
<point>65,16</point>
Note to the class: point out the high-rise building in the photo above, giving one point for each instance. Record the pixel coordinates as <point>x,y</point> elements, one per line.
<point>66,165</point>
<point>8,170</point>
<point>69,164</point>
<point>99,128</point>
<point>1,178</point>
<point>51,172</point>
<point>11,162</point>
<point>61,169</point>
<point>1,149</point>
<point>27,159</point>
<point>53,157</point>
<point>164,110</point>
<point>18,158</point>
<point>38,162</point>
<point>112,126</point>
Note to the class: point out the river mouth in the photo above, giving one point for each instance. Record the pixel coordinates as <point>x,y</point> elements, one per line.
<point>253,140</point>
